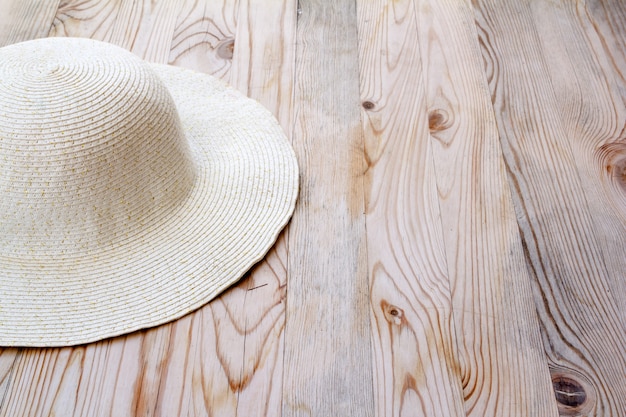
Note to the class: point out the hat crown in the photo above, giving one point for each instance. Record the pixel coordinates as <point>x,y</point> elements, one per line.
<point>91,148</point>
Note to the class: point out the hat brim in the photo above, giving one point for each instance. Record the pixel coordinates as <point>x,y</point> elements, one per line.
<point>243,196</point>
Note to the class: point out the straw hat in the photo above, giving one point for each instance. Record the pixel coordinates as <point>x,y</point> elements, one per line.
<point>130,193</point>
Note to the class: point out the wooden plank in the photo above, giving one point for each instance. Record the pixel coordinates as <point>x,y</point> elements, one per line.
<point>21,20</point>
<point>263,68</point>
<point>327,334</point>
<point>574,283</point>
<point>494,313</point>
<point>413,336</point>
<point>604,90</point>
<point>591,105</point>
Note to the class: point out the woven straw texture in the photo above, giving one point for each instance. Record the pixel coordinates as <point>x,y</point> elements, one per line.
<point>130,193</point>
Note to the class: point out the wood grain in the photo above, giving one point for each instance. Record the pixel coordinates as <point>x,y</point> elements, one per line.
<point>327,334</point>
<point>603,24</point>
<point>204,36</point>
<point>93,19</point>
<point>413,337</point>
<point>460,238</point>
<point>491,295</point>
<point>593,117</point>
<point>607,18</point>
<point>143,27</point>
<point>21,20</point>
<point>575,287</point>
<point>263,67</point>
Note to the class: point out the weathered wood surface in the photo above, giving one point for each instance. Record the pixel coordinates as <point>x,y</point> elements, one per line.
<point>327,338</point>
<point>459,245</point>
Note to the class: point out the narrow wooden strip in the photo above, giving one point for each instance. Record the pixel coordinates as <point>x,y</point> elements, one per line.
<point>574,284</point>
<point>414,340</point>
<point>498,337</point>
<point>327,335</point>
<point>21,20</point>
<point>263,68</point>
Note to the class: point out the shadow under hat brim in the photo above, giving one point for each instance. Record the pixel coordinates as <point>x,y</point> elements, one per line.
<point>244,194</point>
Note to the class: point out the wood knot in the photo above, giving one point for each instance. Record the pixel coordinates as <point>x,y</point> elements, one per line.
<point>611,159</point>
<point>368,105</point>
<point>617,170</point>
<point>573,393</point>
<point>568,392</point>
<point>438,119</point>
<point>226,48</point>
<point>393,314</point>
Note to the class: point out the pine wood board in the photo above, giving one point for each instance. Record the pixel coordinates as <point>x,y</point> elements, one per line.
<point>491,293</point>
<point>579,295</point>
<point>458,245</point>
<point>413,332</point>
<point>327,335</point>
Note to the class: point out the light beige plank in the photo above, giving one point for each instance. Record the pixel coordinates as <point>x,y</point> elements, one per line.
<point>497,328</point>
<point>21,20</point>
<point>327,334</point>
<point>577,290</point>
<point>416,367</point>
<point>263,68</point>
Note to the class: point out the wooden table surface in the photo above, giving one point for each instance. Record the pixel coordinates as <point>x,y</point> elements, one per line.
<point>459,243</point>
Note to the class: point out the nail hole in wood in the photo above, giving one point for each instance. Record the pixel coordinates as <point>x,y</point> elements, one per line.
<point>393,314</point>
<point>225,48</point>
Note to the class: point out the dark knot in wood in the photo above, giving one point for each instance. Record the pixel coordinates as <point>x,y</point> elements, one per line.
<point>574,393</point>
<point>368,105</point>
<point>568,391</point>
<point>438,120</point>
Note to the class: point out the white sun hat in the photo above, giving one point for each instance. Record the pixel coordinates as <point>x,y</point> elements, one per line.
<point>130,193</point>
